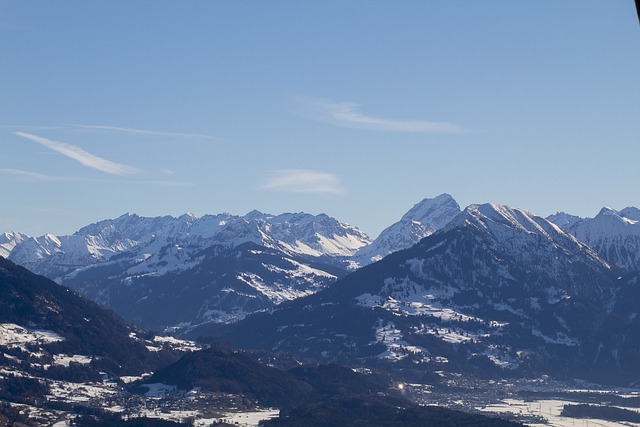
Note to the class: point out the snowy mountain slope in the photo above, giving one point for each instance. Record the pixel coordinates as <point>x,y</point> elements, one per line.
<point>296,234</point>
<point>55,256</point>
<point>496,289</point>
<point>425,218</point>
<point>614,235</point>
<point>179,287</point>
<point>526,237</point>
<point>316,235</point>
<point>8,242</point>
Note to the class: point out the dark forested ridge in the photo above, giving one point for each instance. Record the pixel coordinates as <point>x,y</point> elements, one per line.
<point>84,327</point>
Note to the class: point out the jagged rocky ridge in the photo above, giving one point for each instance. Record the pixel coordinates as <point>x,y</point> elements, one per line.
<point>302,234</point>
<point>8,242</point>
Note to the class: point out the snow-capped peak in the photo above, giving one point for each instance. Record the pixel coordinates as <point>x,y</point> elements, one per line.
<point>608,211</point>
<point>9,240</point>
<point>11,236</point>
<point>615,235</point>
<point>188,217</point>
<point>422,220</point>
<point>435,212</point>
<point>564,220</point>
<point>608,221</point>
<point>295,233</point>
<point>618,216</point>
<point>631,213</point>
<point>256,214</point>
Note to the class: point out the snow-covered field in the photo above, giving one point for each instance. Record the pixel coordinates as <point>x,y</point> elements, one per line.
<point>12,335</point>
<point>77,392</point>
<point>65,360</point>
<point>241,419</point>
<point>250,419</point>
<point>550,411</point>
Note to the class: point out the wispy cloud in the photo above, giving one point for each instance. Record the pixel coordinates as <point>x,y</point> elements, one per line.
<point>108,128</point>
<point>31,127</point>
<point>31,176</point>
<point>82,156</point>
<point>303,181</point>
<point>346,114</point>
<point>40,177</point>
<point>143,131</point>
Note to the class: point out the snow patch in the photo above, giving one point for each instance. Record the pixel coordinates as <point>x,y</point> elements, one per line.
<point>12,335</point>
<point>65,360</point>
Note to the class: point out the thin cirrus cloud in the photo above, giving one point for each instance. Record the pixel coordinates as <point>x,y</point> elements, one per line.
<point>85,158</point>
<point>108,128</point>
<point>303,181</point>
<point>346,114</point>
<point>41,177</point>
<point>30,176</point>
<point>148,132</point>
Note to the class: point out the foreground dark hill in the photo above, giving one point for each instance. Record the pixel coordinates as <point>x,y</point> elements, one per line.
<point>222,368</point>
<point>497,291</point>
<point>46,329</point>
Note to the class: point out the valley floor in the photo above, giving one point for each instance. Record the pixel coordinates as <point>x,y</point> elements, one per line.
<point>549,413</point>
<point>68,400</point>
<point>532,402</point>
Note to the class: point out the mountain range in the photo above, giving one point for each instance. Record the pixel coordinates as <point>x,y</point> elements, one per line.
<point>490,289</point>
<point>217,268</point>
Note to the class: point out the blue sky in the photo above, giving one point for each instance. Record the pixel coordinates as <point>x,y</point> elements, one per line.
<point>358,109</point>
